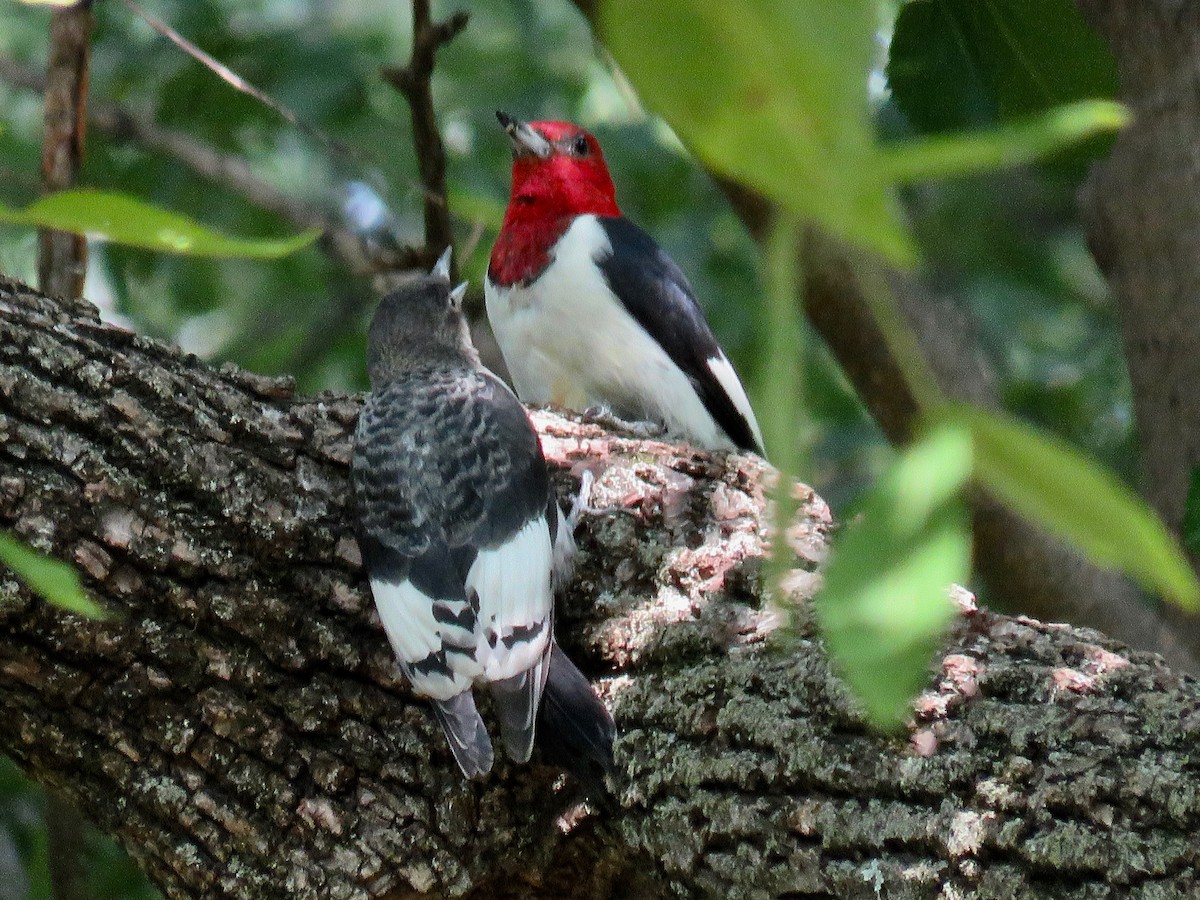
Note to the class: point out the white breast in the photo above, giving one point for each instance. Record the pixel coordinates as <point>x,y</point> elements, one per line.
<point>568,340</point>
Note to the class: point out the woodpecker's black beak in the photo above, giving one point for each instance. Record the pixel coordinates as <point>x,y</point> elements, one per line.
<point>524,139</point>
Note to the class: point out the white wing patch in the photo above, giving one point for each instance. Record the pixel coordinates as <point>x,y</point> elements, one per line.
<point>513,624</point>
<point>512,582</point>
<point>407,616</point>
<point>722,370</point>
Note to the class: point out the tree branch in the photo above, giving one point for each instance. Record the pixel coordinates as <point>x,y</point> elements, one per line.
<point>414,82</point>
<point>239,724</point>
<point>62,256</point>
<point>62,268</point>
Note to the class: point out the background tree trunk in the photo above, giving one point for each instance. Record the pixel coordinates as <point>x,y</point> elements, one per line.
<point>239,725</point>
<point>1142,210</point>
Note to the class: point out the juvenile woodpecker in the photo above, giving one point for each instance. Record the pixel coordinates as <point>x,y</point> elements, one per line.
<point>458,526</point>
<point>589,311</point>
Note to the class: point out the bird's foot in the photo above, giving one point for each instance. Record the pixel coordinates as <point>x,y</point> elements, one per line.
<point>582,502</point>
<point>643,430</point>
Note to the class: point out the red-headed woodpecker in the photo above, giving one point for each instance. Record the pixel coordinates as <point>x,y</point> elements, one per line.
<point>460,530</point>
<point>589,311</point>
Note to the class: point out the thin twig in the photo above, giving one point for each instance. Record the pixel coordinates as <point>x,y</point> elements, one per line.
<point>413,81</point>
<point>62,256</point>
<point>238,83</point>
<point>65,832</point>
<point>433,186</point>
<point>341,243</point>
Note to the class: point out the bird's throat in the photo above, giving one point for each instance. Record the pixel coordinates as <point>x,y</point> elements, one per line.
<point>524,246</point>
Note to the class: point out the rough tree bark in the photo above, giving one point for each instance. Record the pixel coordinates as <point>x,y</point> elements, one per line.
<point>240,727</point>
<point>62,256</point>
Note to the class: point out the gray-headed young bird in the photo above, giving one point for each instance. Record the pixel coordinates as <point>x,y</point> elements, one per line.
<point>460,528</point>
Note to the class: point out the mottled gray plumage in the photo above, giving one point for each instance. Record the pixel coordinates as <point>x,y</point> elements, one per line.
<point>457,521</point>
<point>446,454</point>
<point>461,533</point>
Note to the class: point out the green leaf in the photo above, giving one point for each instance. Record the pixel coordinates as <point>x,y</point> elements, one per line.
<point>931,73</point>
<point>787,431</point>
<point>773,93</point>
<point>54,580</point>
<point>948,156</point>
<point>962,63</point>
<point>127,220</point>
<point>1053,484</point>
<point>885,606</point>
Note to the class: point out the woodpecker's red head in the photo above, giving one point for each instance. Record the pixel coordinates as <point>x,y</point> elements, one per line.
<point>558,173</point>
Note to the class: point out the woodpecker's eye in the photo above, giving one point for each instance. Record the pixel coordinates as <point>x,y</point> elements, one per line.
<point>580,147</point>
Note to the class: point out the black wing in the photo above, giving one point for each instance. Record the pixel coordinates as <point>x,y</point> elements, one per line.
<point>656,293</point>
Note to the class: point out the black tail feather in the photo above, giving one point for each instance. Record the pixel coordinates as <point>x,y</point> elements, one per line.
<point>574,730</point>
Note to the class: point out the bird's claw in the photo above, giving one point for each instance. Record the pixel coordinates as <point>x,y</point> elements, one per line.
<point>606,418</point>
<point>582,502</point>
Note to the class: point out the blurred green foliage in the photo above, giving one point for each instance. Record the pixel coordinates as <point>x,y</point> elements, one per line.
<point>1030,139</point>
<point>53,579</point>
<point>1006,246</point>
<point>771,93</point>
<point>882,622</point>
<point>1049,482</point>
<point>122,219</point>
<point>24,875</point>
<point>958,64</point>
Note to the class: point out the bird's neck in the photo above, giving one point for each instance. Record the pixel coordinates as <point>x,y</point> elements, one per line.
<point>429,361</point>
<point>532,226</point>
